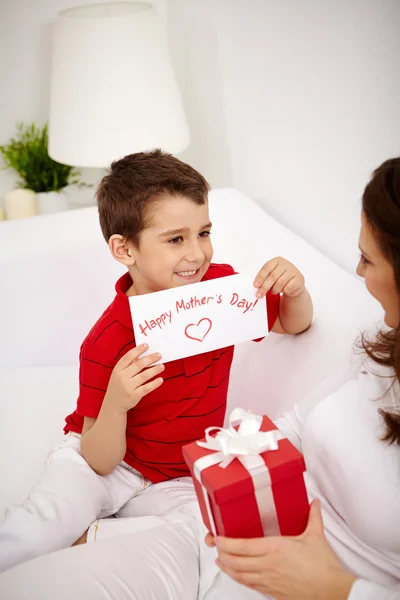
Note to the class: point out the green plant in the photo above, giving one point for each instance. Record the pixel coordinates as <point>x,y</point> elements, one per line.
<point>26,153</point>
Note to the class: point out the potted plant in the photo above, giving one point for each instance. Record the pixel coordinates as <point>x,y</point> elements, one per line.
<point>27,154</point>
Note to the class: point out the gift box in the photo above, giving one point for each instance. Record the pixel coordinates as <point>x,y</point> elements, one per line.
<point>249,479</point>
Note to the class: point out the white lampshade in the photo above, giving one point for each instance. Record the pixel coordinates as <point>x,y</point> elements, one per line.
<point>113,90</point>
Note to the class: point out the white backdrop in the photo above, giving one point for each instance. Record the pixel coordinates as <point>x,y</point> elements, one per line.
<point>25,59</point>
<point>294,102</point>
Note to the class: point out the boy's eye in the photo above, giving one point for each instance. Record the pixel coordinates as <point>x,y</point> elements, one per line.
<point>179,238</point>
<point>175,240</point>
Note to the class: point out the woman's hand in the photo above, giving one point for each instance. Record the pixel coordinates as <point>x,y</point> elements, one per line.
<point>288,568</point>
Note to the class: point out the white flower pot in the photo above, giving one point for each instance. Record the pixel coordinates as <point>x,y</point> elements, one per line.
<point>20,204</point>
<point>51,202</point>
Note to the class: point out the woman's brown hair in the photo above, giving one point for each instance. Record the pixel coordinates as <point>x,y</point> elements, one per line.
<point>381,207</point>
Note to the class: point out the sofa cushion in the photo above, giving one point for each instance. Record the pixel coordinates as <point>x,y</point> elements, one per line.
<point>57,277</point>
<point>33,405</point>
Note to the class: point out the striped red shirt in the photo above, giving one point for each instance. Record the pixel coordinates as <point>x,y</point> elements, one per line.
<point>192,397</point>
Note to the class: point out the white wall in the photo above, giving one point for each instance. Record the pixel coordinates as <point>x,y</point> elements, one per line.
<point>304,95</point>
<point>293,102</point>
<point>25,59</point>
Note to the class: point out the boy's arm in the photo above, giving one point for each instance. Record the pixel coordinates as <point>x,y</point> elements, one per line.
<point>295,308</point>
<point>295,313</point>
<point>103,442</point>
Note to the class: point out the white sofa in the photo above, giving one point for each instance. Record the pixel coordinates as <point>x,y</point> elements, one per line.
<point>57,277</point>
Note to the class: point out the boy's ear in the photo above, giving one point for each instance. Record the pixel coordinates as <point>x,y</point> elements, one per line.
<point>121,250</point>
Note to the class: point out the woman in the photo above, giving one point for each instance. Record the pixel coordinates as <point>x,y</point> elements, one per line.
<point>351,444</point>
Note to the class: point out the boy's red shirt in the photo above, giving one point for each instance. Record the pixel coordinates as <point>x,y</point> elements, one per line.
<point>192,397</point>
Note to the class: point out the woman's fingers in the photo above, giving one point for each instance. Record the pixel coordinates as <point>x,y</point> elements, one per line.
<point>241,563</point>
<point>210,540</point>
<point>251,579</point>
<point>246,547</point>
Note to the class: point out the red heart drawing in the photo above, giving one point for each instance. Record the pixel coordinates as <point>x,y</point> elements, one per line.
<point>199,329</point>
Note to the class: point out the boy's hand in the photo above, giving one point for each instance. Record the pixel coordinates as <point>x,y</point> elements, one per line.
<point>130,379</point>
<point>279,275</point>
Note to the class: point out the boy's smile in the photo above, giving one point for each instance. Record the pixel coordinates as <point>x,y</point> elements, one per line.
<point>187,275</point>
<point>174,248</point>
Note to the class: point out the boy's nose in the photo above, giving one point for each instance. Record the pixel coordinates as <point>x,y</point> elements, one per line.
<point>195,254</point>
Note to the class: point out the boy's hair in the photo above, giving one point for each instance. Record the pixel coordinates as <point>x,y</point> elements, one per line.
<point>135,181</point>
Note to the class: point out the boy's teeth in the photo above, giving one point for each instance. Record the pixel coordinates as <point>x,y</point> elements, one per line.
<point>186,273</point>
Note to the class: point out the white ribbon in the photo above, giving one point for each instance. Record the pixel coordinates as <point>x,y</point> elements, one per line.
<point>247,440</point>
<point>245,444</point>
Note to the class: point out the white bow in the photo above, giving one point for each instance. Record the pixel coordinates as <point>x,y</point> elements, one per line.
<point>247,440</point>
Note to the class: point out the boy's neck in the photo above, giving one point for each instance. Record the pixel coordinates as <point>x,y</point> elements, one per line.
<point>137,288</point>
<point>131,291</point>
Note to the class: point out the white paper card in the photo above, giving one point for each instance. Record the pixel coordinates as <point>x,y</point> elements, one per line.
<point>199,317</point>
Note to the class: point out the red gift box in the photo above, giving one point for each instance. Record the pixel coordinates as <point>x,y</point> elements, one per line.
<point>257,495</point>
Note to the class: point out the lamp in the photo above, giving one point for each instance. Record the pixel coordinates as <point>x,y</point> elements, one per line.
<point>113,90</point>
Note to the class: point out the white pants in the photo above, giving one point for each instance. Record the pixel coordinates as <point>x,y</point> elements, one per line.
<point>154,551</point>
<point>64,503</point>
<point>159,561</point>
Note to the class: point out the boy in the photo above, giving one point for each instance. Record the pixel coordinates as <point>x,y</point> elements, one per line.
<point>153,212</point>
